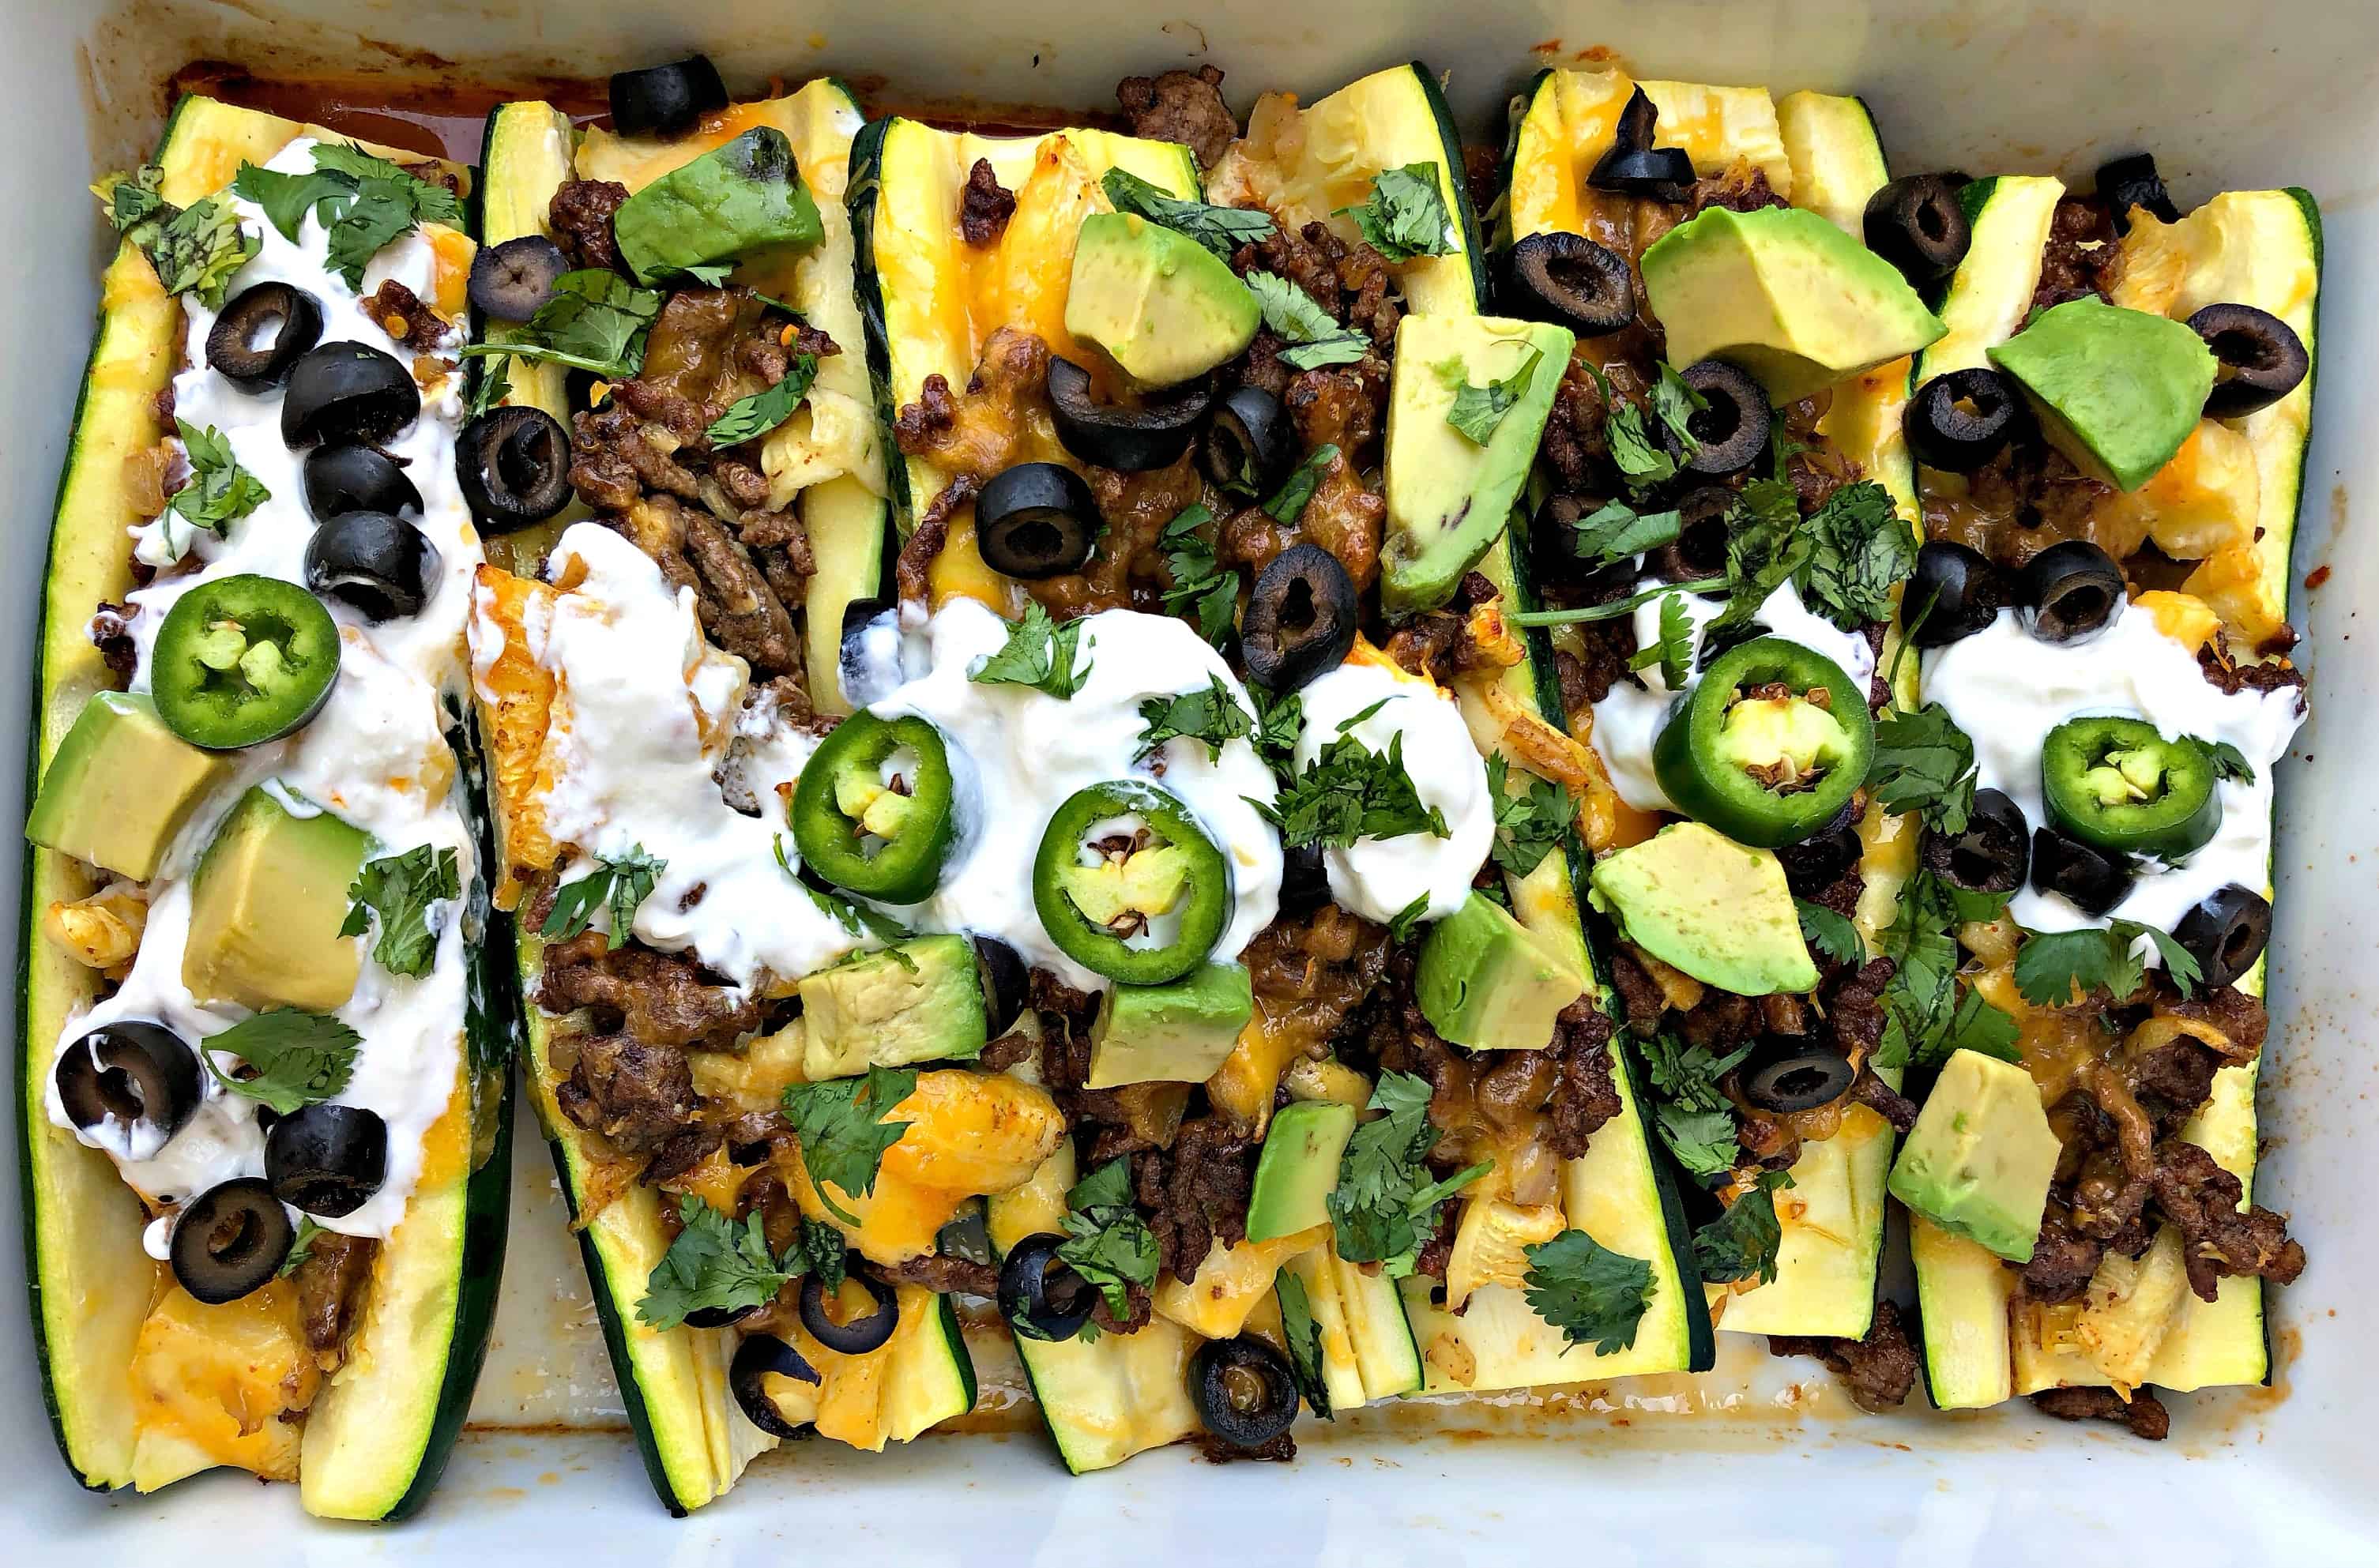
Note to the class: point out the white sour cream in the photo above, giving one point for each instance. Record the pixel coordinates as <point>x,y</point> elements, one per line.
<point>376,756</point>
<point>2006,690</point>
<point>1628,720</point>
<point>1379,878</point>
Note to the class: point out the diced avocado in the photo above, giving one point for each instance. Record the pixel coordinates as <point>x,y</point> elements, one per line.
<point>1449,495</point>
<point>1979,1160</point>
<point>1164,306</point>
<point>1697,900</point>
<point>121,787</point>
<point>917,1001</point>
<point>1177,1033</point>
<point>1785,294</point>
<point>733,201</point>
<point>1487,981</point>
<point>1299,1167</point>
<point>266,906</point>
<point>2115,391</point>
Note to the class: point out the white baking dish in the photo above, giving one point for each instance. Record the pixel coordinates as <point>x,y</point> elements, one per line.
<point>1754,1464</point>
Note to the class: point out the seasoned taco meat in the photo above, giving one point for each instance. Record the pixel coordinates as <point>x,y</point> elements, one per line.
<point>1183,106</point>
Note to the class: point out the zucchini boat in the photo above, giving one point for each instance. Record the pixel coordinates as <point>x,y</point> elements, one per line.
<point>1597,158</point>
<point>2147,1267</point>
<point>265,1111</point>
<point>766,524</point>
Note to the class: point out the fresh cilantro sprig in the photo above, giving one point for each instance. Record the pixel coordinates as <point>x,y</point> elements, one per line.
<point>1287,503</point>
<point>1696,1119</point>
<point>2053,967</point>
<point>1304,1340</point>
<point>1672,652</point>
<point>1106,1241</point>
<point>1212,716</point>
<point>1926,1014</point>
<point>1406,920</point>
<point>2229,762</point>
<point>1741,1243</point>
<point>193,249</point>
<point>400,890</point>
<point>364,202</point>
<point>842,1133</point>
<point>1405,215</point>
<point>134,202</point>
<point>301,1247</point>
<point>1615,531</point>
<point>623,885</point>
<point>856,919</point>
<point>493,384</point>
<point>1279,721</point>
<point>1039,653</point>
<point>219,491</point>
<point>1349,792</point>
<point>1314,339</point>
<point>1830,932</point>
<point>1529,824</point>
<point>596,321</point>
<point>749,417</point>
<point>1643,463</point>
<point>1923,763</point>
<point>1201,585</point>
<point>1860,550</point>
<point>1593,1295</point>
<point>300,1059</point>
<point>1220,229</point>
<point>1477,411</point>
<point>1674,404</point>
<point>715,1265</point>
<point>1384,1204</point>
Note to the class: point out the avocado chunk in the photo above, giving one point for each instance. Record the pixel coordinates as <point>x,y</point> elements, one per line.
<point>1487,981</point>
<point>1980,1158</point>
<point>121,787</point>
<point>1162,306</point>
<point>1697,900</point>
<point>1785,294</point>
<point>917,1001</point>
<point>733,201</point>
<point>1177,1033</point>
<point>266,906</point>
<point>1299,1168</point>
<point>1449,496</point>
<point>2115,391</point>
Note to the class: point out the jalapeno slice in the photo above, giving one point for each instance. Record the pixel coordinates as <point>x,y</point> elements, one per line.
<point>242,661</point>
<point>1768,746</point>
<point>2118,784</point>
<point>1129,885</point>
<point>875,812</point>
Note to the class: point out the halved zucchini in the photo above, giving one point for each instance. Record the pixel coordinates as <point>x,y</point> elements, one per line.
<point>693,1440</point>
<point>379,1434</point>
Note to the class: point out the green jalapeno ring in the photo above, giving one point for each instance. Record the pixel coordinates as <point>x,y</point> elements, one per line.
<point>241,660</point>
<point>843,800</point>
<point>1181,868</point>
<point>2118,783</point>
<point>1715,737</point>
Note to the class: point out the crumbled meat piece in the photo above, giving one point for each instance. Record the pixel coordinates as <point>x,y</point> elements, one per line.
<point>1307,258</point>
<point>2268,675</point>
<point>330,1284</point>
<point>2219,1241</point>
<point>1008,1051</point>
<point>431,173</point>
<point>1339,407</point>
<point>1196,1191</point>
<point>1183,106</point>
<point>1436,1254</point>
<point>1215,1451</point>
<point>1442,644</point>
<point>1853,1009</point>
<point>937,1271</point>
<point>1120,1121</point>
<point>1720,1021</point>
<point>1584,1095</point>
<point>1574,445</point>
<point>1369,285</point>
<point>638,1095</point>
<point>658,998</point>
<point>1003,414</point>
<point>2081,256</point>
<point>1137,1308</point>
<point>685,1149</point>
<point>1877,1371</point>
<point>110,634</point>
<point>2022,502</point>
<point>1738,188</point>
<point>402,315</point>
<point>1310,971</point>
<point>162,404</point>
<point>1782,1012</point>
<point>1639,993</point>
<point>1884,1099</point>
<point>738,607</point>
<point>985,206</point>
<point>2142,1412</point>
<point>2063,1262</point>
<point>580,216</point>
<point>912,571</point>
<point>2172,1081</point>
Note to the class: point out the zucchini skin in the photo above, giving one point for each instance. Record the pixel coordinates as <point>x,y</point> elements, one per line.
<point>859,196</point>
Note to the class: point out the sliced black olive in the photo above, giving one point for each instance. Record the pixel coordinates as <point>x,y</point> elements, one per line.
<point>344,479</point>
<point>1569,280</point>
<point>513,462</point>
<point>1699,552</point>
<point>347,392</point>
<point>1636,167</point>
<point>1250,442</point>
<point>2070,592</point>
<point>511,281</point>
<point>133,1072</point>
<point>1304,880</point>
<point>717,1317</point>
<point>1041,1295</point>
<point>383,566</point>
<point>665,99</point>
<point>1731,430</point>
<point>230,1240</point>
<point>2259,358</point>
<point>1036,520</point>
<point>1300,621</point>
<point>2094,879</point>
<point>1109,435</point>
<point>759,1354</point>
<point>327,1159</point>
<point>1955,592</point>
<point>257,340</point>
<point>2225,933</point>
<point>2132,181</point>
<point>967,1237</point>
<point>1244,1390</point>
<point>1005,982</point>
<point>860,1336</point>
<point>1916,224</point>
<point>1802,1080</point>
<point>1993,855</point>
<point>1820,861</point>
<point>1962,420</point>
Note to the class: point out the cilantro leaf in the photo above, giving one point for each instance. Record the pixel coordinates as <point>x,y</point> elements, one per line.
<point>2050,966</point>
<point>300,1059</point>
<point>1741,1243</point>
<point>1761,555</point>
<point>1860,550</point>
<point>1200,584</point>
<point>387,202</point>
<point>623,885</point>
<point>749,417</point>
<point>826,1249</point>
<point>1279,721</point>
<point>1703,1140</point>
<point>493,385</point>
<point>287,198</point>
<point>1477,411</point>
<point>1106,1241</point>
<point>1689,1074</point>
<point>1314,338</point>
<point>135,201</point>
<point>1040,654</point>
<point>855,919</point>
<point>1405,215</point>
<point>1407,920</point>
<point>1772,503</point>
<point>1923,763</point>
<point>1220,229</point>
<point>1529,825</point>
<point>1830,934</point>
<point>1349,792</point>
<point>715,1265</point>
<point>595,321</point>
<point>1304,1338</point>
<point>1616,532</point>
<point>219,491</point>
<point>1642,461</point>
<point>400,890</point>
<point>842,1133</point>
<point>2229,762</point>
<point>1212,716</point>
<point>1287,503</point>
<point>1384,1207</point>
<point>1673,652</point>
<point>1674,404</point>
<point>301,1247</point>
<point>198,249</point>
<point>1593,1295</point>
